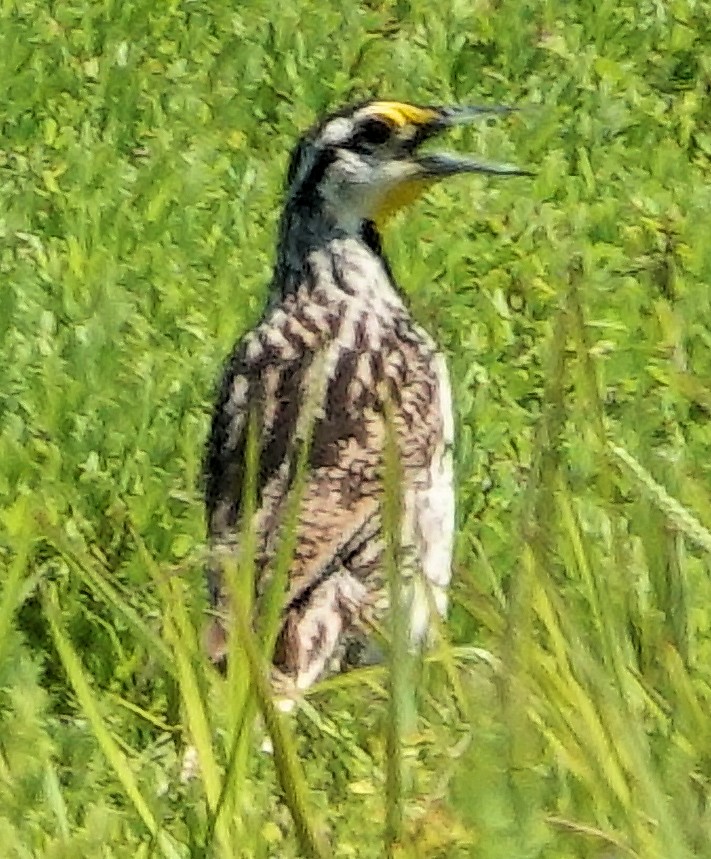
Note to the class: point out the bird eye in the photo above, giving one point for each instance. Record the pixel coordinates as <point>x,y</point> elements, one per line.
<point>374,132</point>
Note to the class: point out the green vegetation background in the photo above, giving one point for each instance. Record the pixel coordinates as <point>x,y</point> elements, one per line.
<point>142,148</point>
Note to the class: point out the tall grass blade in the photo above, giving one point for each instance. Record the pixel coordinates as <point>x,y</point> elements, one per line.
<point>273,603</point>
<point>116,758</point>
<point>289,773</point>
<point>180,634</point>
<point>12,592</point>
<point>594,833</point>
<point>675,512</point>
<point>277,576</point>
<point>238,571</point>
<point>537,534</point>
<point>87,568</point>
<point>242,591</point>
<point>399,698</point>
<point>55,799</point>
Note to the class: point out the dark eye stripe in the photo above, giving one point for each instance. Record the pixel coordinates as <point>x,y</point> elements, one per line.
<point>372,132</point>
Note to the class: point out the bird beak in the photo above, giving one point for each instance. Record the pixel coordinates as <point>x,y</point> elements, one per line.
<point>437,165</point>
<point>416,171</point>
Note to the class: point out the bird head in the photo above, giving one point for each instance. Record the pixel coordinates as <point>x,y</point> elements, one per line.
<point>364,163</point>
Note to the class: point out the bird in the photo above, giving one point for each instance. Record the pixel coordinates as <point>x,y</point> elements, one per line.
<point>335,368</point>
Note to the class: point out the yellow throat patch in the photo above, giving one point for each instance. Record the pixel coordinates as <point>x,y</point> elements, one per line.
<point>399,197</point>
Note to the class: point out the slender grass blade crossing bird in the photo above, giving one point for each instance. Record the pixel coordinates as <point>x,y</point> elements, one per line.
<point>335,352</point>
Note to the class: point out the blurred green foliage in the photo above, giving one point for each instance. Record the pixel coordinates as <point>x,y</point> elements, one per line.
<point>142,149</point>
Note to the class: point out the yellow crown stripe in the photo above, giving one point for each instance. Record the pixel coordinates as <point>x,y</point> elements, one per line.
<point>400,113</point>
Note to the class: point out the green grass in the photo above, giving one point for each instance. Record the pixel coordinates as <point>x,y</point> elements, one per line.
<point>141,153</point>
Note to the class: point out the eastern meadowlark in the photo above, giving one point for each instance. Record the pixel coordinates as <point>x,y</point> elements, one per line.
<point>335,346</point>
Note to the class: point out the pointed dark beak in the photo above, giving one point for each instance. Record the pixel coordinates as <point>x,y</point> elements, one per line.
<point>436,165</point>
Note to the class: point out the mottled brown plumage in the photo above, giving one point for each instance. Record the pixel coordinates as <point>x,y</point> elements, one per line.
<point>336,345</point>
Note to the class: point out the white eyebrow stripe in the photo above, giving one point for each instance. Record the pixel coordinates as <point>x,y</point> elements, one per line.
<point>337,131</point>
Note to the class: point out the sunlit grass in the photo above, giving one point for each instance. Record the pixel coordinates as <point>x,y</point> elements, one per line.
<point>563,712</point>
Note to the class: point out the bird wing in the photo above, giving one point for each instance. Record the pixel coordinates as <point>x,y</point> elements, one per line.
<point>301,379</point>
